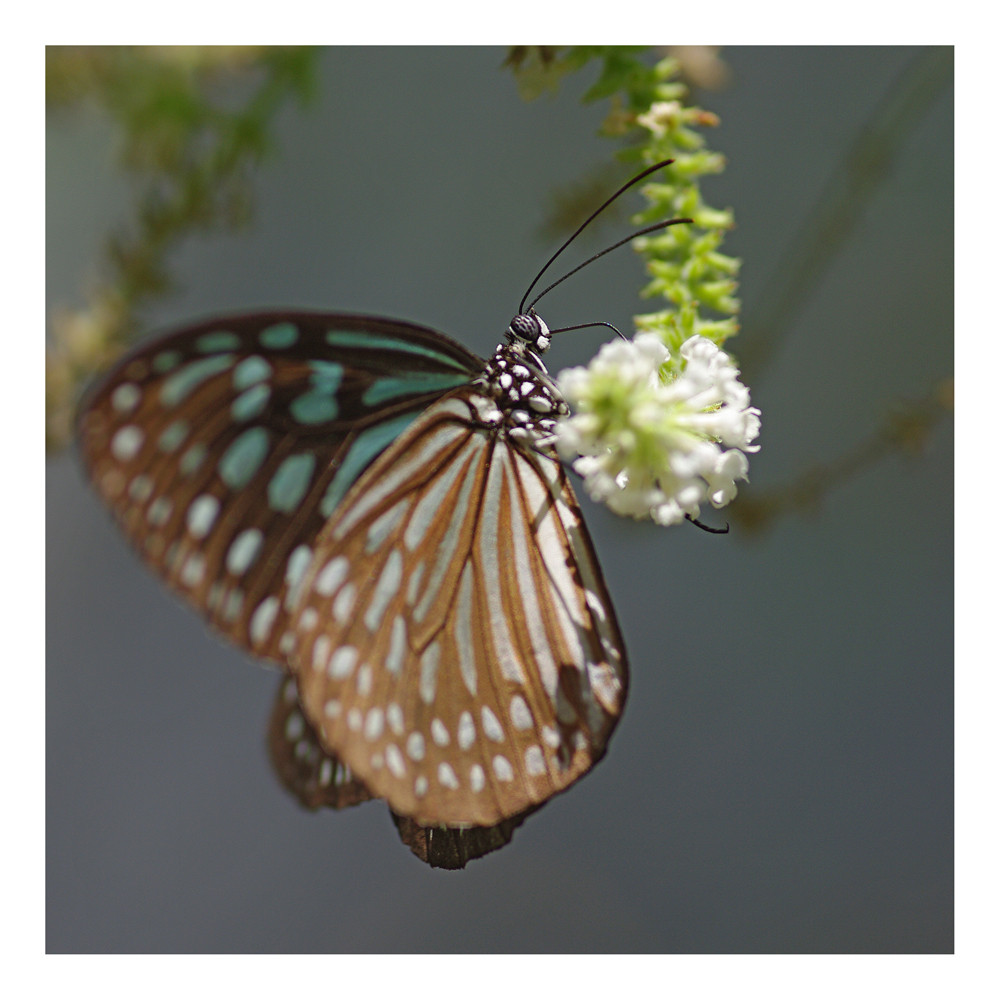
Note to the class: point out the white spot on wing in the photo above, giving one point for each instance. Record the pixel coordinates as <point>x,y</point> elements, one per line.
<point>321,652</point>
<point>325,772</point>
<point>413,586</point>
<point>159,511</point>
<point>365,681</point>
<point>126,443</point>
<point>463,631</point>
<point>194,570</point>
<point>520,714</point>
<point>534,762</point>
<point>126,397</point>
<point>596,606</point>
<point>343,604</point>
<point>374,724</point>
<point>331,576</point>
<point>294,727</point>
<point>385,590</point>
<point>415,746</point>
<point>298,562</point>
<point>502,768</point>
<point>503,643</point>
<point>447,776</point>
<point>201,515</point>
<point>466,730</point>
<point>540,642</point>
<point>453,533</point>
<point>491,725</point>
<point>382,526</point>
<point>141,488</point>
<point>342,662</point>
<point>430,505</point>
<point>477,779</point>
<point>243,551</point>
<point>395,716</point>
<point>394,760</point>
<point>397,646</point>
<point>428,672</point>
<point>263,620</point>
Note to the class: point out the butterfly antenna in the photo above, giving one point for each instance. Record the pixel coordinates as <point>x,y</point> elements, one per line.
<point>705,527</point>
<point>584,326</point>
<point>614,246</point>
<point>585,223</point>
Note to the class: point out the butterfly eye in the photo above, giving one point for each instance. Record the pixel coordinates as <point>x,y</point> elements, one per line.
<point>531,329</point>
<point>524,327</point>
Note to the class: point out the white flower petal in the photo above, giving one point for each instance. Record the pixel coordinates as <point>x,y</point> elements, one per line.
<point>650,448</point>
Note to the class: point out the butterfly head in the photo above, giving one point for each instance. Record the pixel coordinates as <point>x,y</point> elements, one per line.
<point>529,330</point>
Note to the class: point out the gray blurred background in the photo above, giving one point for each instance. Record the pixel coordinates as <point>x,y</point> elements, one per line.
<point>782,777</point>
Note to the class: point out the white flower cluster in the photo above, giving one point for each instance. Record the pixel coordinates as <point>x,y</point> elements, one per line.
<point>653,448</point>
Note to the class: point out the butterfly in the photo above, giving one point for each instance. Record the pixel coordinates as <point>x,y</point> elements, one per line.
<point>383,514</point>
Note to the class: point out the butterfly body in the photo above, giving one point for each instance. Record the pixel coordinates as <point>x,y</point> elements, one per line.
<point>381,512</point>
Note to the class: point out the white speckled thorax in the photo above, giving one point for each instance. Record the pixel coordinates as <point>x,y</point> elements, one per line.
<point>519,383</point>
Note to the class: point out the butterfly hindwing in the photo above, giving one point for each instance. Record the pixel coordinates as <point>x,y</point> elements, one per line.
<point>224,448</point>
<point>318,778</point>
<point>314,776</point>
<point>453,639</point>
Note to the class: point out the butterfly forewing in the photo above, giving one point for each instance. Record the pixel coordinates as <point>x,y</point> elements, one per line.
<point>223,449</point>
<point>453,637</point>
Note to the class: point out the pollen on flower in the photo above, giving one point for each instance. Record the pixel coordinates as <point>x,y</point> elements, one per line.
<point>656,436</point>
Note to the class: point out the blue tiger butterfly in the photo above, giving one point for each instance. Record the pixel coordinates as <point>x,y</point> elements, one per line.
<point>382,513</point>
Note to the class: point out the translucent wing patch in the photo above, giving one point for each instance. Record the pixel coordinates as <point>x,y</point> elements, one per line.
<point>454,641</point>
<point>224,448</point>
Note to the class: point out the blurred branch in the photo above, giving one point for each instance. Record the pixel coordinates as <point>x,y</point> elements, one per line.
<point>906,430</point>
<point>192,124</point>
<point>820,238</point>
<point>841,205</point>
